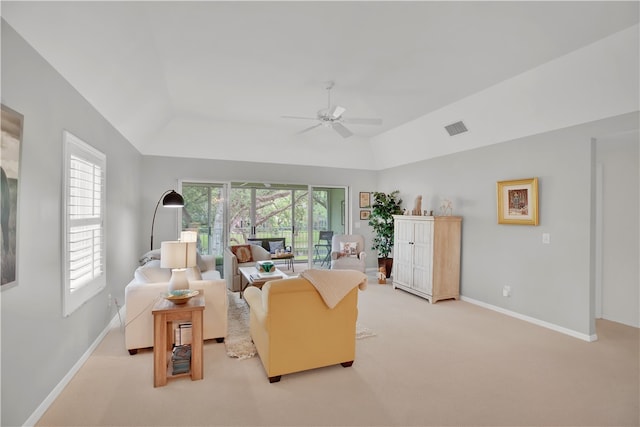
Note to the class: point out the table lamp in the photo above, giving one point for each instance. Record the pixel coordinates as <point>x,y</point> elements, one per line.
<point>178,256</point>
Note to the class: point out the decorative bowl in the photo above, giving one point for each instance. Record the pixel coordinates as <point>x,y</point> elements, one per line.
<point>180,296</point>
<point>266,266</point>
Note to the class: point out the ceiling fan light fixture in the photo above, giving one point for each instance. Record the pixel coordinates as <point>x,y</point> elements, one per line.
<point>337,111</point>
<point>331,117</point>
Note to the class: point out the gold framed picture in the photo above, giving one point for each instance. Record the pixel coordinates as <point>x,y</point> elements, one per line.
<point>365,200</point>
<point>518,201</point>
<point>364,215</point>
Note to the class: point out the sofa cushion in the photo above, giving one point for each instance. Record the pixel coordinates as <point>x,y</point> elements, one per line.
<point>151,272</point>
<point>242,253</point>
<point>274,246</point>
<point>149,256</point>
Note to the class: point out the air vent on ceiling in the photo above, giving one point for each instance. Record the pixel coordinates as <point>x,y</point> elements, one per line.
<point>456,128</point>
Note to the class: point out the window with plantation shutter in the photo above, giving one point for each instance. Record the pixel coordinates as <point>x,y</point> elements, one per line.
<point>84,216</point>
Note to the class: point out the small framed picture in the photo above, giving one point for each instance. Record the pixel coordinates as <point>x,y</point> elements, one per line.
<point>518,201</point>
<point>364,215</point>
<point>365,200</point>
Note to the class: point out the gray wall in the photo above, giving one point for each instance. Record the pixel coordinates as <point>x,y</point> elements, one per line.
<point>39,345</point>
<point>162,173</point>
<point>620,292</point>
<point>552,283</point>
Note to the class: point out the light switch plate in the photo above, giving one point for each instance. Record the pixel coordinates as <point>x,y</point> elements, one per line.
<point>546,238</point>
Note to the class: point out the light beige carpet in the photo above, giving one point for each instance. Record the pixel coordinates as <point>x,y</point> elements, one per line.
<point>451,363</point>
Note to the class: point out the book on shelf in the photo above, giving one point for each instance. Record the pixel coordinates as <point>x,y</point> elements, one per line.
<point>273,275</point>
<point>182,334</point>
<point>180,359</point>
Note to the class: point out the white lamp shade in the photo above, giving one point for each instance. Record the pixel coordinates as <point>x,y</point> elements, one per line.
<point>188,236</point>
<point>177,254</point>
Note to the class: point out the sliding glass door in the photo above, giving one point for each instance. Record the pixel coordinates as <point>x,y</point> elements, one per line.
<point>328,217</point>
<point>266,211</point>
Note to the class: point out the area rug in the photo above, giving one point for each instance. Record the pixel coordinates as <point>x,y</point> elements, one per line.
<point>238,341</point>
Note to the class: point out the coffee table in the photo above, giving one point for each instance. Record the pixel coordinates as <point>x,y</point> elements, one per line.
<point>251,277</point>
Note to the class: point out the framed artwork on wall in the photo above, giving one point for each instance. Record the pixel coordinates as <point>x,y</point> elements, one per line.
<point>11,144</point>
<point>365,200</point>
<point>364,215</point>
<point>518,201</point>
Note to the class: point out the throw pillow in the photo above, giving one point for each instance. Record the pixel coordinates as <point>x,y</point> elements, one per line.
<point>242,253</point>
<point>273,246</point>
<point>255,242</point>
<point>202,265</point>
<point>349,248</point>
<point>149,256</point>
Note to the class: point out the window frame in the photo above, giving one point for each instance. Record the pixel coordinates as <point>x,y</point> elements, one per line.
<point>74,298</point>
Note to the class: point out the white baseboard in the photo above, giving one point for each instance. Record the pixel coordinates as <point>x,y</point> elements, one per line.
<point>42,408</point>
<point>554,327</point>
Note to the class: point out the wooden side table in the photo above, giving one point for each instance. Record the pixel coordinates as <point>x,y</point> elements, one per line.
<point>164,314</point>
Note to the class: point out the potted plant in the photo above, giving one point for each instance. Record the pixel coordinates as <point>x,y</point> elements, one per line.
<point>381,219</point>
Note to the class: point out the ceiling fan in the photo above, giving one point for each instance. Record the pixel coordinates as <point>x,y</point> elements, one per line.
<point>331,117</point>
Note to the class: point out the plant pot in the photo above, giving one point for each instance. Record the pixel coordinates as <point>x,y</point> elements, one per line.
<point>387,263</point>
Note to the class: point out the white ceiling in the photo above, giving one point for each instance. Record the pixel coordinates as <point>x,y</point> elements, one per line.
<point>212,79</point>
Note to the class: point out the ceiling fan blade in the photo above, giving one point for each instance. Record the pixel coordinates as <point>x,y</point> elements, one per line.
<point>308,129</point>
<point>343,131</point>
<point>298,117</point>
<point>357,121</point>
<point>337,111</point>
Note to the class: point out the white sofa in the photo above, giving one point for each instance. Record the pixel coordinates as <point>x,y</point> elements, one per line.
<point>232,274</point>
<point>150,282</point>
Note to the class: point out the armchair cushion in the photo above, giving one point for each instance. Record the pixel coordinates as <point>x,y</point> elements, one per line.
<point>242,253</point>
<point>348,249</point>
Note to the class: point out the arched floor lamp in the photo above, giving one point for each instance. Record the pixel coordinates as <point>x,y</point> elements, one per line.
<point>169,199</point>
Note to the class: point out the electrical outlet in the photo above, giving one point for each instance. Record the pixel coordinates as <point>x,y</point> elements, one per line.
<point>506,291</point>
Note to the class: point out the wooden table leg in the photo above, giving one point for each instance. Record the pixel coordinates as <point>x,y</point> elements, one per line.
<point>159,352</point>
<point>196,346</point>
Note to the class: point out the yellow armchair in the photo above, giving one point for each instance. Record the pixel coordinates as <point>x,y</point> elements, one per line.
<point>294,330</point>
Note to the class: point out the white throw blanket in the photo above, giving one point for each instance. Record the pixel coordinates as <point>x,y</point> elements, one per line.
<point>333,285</point>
